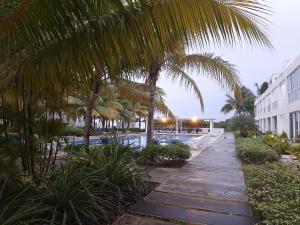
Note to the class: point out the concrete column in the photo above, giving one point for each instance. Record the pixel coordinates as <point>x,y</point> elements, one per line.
<point>271,125</point>
<point>294,125</point>
<point>298,119</point>
<point>176,124</point>
<point>211,126</point>
<point>181,126</point>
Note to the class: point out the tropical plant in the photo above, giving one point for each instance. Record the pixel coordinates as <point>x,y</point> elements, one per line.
<point>122,100</point>
<point>146,25</point>
<point>243,124</point>
<point>175,65</point>
<point>242,103</point>
<point>262,88</point>
<point>16,204</point>
<point>73,195</point>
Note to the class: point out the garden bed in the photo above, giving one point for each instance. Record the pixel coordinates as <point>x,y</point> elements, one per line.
<point>273,188</point>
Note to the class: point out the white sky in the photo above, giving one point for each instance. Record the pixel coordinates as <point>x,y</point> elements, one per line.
<point>255,64</point>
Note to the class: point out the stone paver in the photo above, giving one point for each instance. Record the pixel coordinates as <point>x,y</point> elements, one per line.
<point>210,189</point>
<point>224,207</point>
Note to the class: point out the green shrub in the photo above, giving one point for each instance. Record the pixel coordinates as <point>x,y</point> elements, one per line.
<point>275,142</point>
<point>90,188</point>
<point>136,130</point>
<point>72,131</point>
<point>168,155</point>
<point>274,193</point>
<point>283,135</point>
<point>178,152</point>
<point>295,150</point>
<point>17,205</point>
<point>251,133</point>
<point>254,151</point>
<point>75,195</point>
<point>74,149</point>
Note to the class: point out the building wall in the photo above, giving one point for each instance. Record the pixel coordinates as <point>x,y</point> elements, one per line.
<point>276,109</point>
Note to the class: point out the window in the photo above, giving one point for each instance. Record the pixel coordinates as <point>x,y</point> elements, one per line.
<point>294,86</point>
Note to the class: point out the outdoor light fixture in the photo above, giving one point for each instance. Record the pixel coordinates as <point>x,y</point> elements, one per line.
<point>164,120</point>
<point>194,119</point>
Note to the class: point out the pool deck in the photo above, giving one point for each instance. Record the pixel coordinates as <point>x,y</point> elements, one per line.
<point>210,189</point>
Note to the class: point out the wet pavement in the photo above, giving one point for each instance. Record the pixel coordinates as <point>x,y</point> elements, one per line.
<point>210,189</point>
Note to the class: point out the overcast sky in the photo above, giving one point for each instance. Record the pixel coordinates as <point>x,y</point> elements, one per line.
<point>254,64</point>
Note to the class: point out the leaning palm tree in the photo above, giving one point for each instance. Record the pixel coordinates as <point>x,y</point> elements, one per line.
<point>176,64</point>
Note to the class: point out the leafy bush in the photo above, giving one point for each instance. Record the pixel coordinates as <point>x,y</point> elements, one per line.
<point>283,135</point>
<point>117,163</point>
<point>90,188</point>
<point>295,150</point>
<point>169,155</point>
<point>136,130</point>
<point>74,149</point>
<point>255,151</point>
<point>16,205</point>
<point>70,131</point>
<point>275,142</point>
<point>74,195</point>
<point>274,193</point>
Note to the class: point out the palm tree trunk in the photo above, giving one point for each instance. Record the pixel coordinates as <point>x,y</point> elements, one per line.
<point>153,76</point>
<point>89,110</point>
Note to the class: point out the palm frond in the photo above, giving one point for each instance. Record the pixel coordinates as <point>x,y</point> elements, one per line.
<point>175,73</point>
<point>214,68</point>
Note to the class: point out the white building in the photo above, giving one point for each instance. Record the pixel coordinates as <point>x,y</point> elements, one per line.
<point>278,109</point>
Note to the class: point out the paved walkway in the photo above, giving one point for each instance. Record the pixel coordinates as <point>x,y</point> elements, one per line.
<point>210,189</point>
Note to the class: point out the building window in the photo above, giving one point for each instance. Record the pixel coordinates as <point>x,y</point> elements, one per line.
<point>294,124</point>
<point>294,86</point>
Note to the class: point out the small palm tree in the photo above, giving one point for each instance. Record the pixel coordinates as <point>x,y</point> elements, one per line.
<point>242,103</point>
<point>123,101</point>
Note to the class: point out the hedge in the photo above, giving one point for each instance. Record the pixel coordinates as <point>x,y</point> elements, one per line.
<point>254,151</point>
<point>274,193</point>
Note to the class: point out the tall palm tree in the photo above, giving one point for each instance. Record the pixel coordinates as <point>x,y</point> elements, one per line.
<point>176,64</point>
<point>62,40</point>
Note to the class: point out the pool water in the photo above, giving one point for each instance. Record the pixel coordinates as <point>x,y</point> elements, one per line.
<point>138,141</point>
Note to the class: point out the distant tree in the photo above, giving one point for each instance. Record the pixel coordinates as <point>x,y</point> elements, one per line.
<point>262,88</point>
<point>243,123</point>
<point>242,103</point>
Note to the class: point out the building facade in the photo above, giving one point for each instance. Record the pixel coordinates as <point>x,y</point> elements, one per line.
<point>278,109</point>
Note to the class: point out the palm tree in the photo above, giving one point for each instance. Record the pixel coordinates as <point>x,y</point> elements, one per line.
<point>123,101</point>
<point>175,65</point>
<point>62,41</point>
<point>262,88</point>
<point>242,103</point>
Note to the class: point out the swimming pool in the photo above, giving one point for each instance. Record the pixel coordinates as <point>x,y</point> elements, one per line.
<point>138,141</point>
